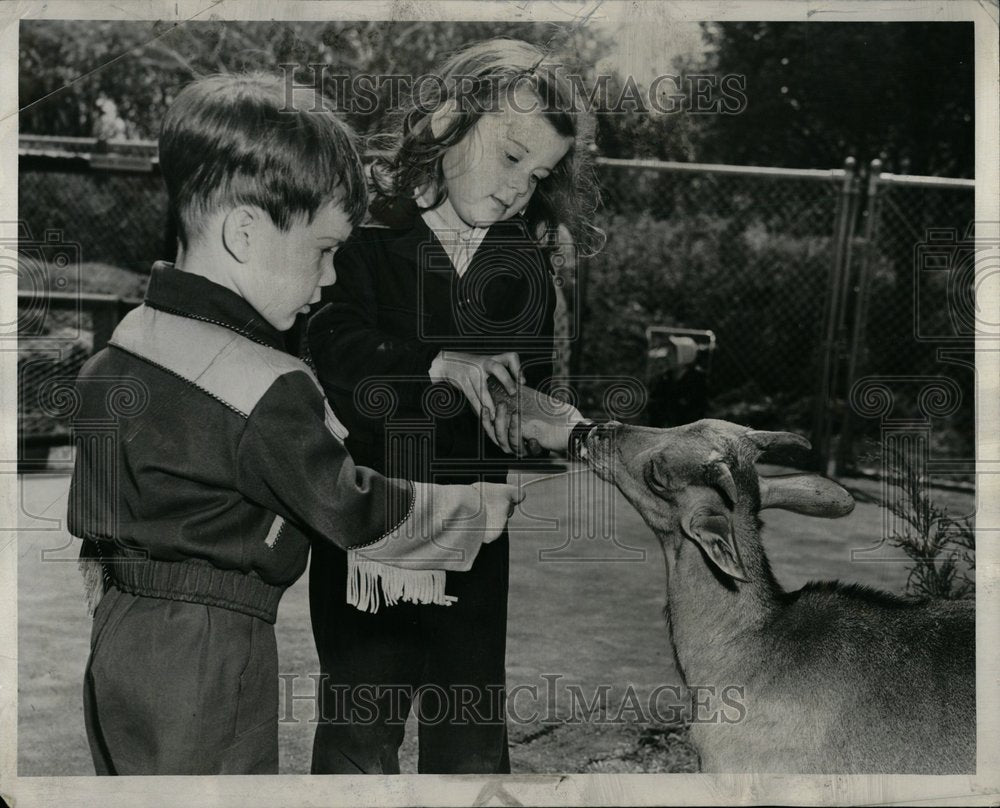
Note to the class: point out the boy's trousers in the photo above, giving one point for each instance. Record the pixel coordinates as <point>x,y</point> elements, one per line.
<point>448,662</point>
<point>173,687</point>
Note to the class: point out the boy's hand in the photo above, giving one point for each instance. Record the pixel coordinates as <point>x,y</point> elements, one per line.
<point>499,503</point>
<point>450,524</point>
<point>470,373</point>
<point>529,422</point>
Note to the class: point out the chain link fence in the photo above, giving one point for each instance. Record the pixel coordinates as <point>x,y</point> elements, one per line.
<point>913,322</point>
<point>813,282</point>
<point>110,203</point>
<point>742,251</point>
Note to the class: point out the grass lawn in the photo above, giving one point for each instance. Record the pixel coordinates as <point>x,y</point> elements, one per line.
<point>587,614</point>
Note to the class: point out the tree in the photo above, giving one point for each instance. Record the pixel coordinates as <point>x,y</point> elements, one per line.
<point>819,92</point>
<point>66,66</point>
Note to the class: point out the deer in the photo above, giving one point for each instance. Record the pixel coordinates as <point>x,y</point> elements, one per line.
<point>833,678</point>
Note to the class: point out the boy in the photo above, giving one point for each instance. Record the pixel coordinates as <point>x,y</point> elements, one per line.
<point>197,505</point>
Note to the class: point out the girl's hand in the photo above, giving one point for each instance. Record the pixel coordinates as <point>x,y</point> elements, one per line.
<point>533,421</point>
<point>469,373</point>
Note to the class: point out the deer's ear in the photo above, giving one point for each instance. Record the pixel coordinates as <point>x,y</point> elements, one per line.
<point>808,494</point>
<point>713,531</point>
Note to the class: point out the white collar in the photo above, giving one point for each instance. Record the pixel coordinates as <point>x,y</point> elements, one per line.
<point>458,239</point>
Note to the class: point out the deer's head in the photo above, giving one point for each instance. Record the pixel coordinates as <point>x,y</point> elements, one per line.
<point>698,482</point>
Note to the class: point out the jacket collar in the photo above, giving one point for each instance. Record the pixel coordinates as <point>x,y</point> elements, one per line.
<point>194,296</point>
<point>402,217</point>
<point>411,231</point>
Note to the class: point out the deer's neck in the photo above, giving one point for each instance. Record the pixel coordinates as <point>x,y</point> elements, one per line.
<point>715,623</point>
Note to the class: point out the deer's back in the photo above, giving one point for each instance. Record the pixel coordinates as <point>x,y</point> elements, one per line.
<point>848,680</point>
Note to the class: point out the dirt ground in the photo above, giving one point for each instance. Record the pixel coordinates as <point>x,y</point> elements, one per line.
<point>585,618</point>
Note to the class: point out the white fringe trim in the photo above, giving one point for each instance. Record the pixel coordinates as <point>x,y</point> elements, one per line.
<point>370,582</point>
<point>93,582</point>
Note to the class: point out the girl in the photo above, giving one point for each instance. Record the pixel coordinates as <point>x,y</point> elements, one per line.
<point>447,285</point>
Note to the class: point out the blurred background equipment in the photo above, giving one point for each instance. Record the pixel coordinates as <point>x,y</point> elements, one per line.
<point>678,362</point>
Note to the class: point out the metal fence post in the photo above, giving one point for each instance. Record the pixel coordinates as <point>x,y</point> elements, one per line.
<point>846,275</point>
<point>831,318</point>
<point>845,447</point>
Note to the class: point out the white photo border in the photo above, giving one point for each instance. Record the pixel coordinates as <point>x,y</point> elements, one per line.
<point>522,789</point>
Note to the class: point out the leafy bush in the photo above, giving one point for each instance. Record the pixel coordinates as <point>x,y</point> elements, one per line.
<point>762,293</point>
<point>942,547</point>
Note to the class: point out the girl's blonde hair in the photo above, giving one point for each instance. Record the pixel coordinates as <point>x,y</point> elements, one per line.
<point>472,82</point>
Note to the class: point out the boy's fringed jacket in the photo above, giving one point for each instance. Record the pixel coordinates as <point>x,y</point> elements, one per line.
<point>207,458</point>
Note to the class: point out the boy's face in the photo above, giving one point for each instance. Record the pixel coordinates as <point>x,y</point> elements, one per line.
<point>493,171</point>
<point>289,267</point>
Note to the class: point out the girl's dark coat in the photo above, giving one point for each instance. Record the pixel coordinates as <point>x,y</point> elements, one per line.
<point>397,302</point>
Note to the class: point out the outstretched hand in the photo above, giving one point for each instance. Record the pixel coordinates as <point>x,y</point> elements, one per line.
<point>476,376</point>
<point>530,422</point>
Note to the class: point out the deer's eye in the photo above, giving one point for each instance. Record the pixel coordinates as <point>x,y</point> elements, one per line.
<point>654,478</point>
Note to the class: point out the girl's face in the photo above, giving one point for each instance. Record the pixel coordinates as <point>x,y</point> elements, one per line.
<point>492,172</point>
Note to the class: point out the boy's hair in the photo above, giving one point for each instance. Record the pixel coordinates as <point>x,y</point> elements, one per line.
<point>242,139</point>
<point>473,80</point>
